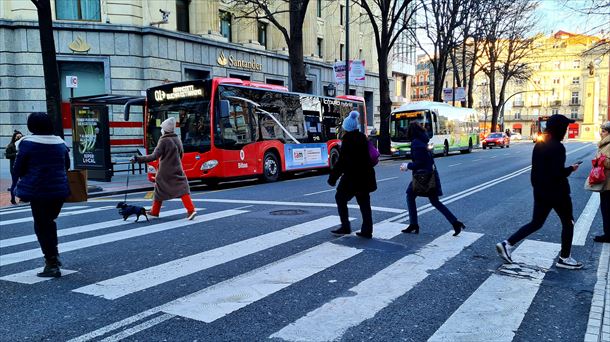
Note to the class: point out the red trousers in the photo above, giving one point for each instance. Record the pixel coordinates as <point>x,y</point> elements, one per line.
<point>186,201</point>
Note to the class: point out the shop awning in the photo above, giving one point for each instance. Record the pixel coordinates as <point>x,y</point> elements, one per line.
<point>517,126</point>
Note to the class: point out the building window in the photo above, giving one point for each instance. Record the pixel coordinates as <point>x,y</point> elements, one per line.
<point>557,65</point>
<point>262,34</point>
<point>319,8</point>
<point>575,98</point>
<point>574,114</point>
<point>341,50</point>
<point>85,10</point>
<point>241,77</point>
<point>554,111</point>
<point>576,64</point>
<point>341,11</point>
<point>275,82</point>
<point>576,80</point>
<point>182,15</point>
<point>225,25</point>
<point>556,81</point>
<point>360,54</point>
<point>517,115</point>
<point>320,41</point>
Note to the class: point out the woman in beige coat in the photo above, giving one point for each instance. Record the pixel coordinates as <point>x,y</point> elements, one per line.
<point>170,181</point>
<point>604,148</point>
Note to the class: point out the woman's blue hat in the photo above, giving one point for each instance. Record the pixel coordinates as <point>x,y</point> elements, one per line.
<point>351,122</point>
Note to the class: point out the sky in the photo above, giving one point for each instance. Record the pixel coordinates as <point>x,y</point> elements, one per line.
<point>558,15</point>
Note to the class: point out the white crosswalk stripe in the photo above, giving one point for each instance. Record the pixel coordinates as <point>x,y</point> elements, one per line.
<point>64,214</point>
<point>27,209</point>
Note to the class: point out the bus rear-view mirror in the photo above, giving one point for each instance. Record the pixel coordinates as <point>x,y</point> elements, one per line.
<point>224,108</point>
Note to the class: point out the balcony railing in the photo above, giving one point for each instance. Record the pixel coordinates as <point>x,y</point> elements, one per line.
<point>518,103</point>
<point>532,118</point>
<point>556,103</point>
<point>575,103</point>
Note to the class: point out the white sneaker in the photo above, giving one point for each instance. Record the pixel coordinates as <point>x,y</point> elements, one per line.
<point>504,250</point>
<point>568,263</point>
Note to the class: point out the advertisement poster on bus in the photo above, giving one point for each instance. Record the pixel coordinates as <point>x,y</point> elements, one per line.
<point>90,139</point>
<point>357,72</point>
<point>300,156</point>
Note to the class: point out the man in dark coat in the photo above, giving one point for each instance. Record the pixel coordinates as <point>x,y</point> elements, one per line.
<point>41,164</point>
<point>357,177</point>
<point>551,192</point>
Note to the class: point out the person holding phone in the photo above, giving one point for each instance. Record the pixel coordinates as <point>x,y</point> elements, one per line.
<point>549,180</point>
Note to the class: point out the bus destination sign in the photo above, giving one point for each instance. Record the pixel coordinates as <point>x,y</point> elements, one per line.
<point>178,93</point>
<point>409,115</point>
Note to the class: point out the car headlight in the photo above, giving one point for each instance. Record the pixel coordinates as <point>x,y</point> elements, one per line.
<point>208,165</point>
<point>151,169</point>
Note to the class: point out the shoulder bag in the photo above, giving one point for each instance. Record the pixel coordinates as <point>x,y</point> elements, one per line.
<point>424,182</point>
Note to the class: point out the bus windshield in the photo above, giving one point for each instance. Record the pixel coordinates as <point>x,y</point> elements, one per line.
<point>399,123</point>
<point>193,120</point>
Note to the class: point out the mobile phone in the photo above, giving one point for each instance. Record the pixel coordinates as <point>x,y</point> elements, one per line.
<point>578,162</point>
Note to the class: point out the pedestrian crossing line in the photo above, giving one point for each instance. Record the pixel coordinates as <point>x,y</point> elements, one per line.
<point>231,295</point>
<point>331,320</point>
<point>585,220</point>
<point>22,210</point>
<point>135,329</point>
<point>83,229</point>
<point>8,259</point>
<point>64,214</point>
<point>503,299</point>
<point>136,281</point>
<point>29,277</point>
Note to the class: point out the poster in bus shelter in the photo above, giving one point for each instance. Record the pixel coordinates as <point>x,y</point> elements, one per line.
<point>301,156</point>
<point>91,140</point>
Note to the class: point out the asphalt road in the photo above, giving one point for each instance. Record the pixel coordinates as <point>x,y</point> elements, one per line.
<point>259,263</point>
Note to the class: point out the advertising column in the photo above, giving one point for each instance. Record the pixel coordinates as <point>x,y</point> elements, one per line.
<point>91,141</point>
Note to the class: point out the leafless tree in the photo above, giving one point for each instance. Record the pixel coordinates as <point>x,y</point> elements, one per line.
<point>49,63</point>
<point>389,20</point>
<point>506,48</point>
<point>273,10</point>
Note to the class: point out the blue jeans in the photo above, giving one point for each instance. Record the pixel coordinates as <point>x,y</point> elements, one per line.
<point>433,200</point>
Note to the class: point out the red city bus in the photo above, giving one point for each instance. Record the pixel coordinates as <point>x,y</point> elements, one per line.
<point>540,127</point>
<point>231,128</point>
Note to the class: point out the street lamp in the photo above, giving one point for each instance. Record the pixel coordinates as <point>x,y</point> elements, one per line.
<point>331,90</point>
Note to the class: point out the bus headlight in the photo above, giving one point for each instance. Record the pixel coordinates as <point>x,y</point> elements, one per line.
<point>393,149</point>
<point>430,146</point>
<point>210,164</point>
<point>151,169</point>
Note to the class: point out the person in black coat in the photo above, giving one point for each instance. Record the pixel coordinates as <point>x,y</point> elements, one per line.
<point>11,153</point>
<point>357,177</point>
<point>549,179</point>
<point>41,164</point>
<point>422,161</point>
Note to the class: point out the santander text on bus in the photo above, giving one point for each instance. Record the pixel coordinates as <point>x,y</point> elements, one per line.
<point>232,128</point>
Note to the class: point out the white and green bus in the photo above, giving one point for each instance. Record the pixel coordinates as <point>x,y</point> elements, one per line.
<point>449,128</point>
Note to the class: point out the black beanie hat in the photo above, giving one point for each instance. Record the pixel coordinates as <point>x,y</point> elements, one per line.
<point>40,124</point>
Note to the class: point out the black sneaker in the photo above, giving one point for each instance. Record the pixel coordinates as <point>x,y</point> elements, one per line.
<point>364,235</point>
<point>504,250</point>
<point>50,272</point>
<point>568,263</point>
<point>341,231</point>
<point>602,238</point>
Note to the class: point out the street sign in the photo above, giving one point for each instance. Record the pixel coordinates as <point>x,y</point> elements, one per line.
<point>460,94</point>
<point>72,81</point>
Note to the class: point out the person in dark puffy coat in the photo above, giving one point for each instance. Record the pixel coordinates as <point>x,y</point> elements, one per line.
<point>357,177</point>
<point>11,153</point>
<point>549,180</point>
<point>421,160</point>
<point>41,164</point>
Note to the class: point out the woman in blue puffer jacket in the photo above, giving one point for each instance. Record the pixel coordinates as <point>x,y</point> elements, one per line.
<point>41,164</point>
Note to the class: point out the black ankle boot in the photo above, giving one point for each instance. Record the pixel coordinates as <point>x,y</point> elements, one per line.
<point>457,227</point>
<point>51,269</point>
<point>412,228</point>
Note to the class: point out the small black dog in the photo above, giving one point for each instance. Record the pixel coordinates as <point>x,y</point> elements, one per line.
<point>127,210</point>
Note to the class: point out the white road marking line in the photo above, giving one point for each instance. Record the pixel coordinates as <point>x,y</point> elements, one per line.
<point>21,210</point>
<point>114,326</point>
<point>140,327</point>
<point>600,301</point>
<point>30,277</point>
<point>331,320</point>
<point>86,228</point>
<point>231,295</point>
<point>8,259</point>
<point>583,224</point>
<point>492,157</point>
<point>386,179</point>
<point>452,165</point>
<point>320,192</point>
<point>64,214</point>
<point>136,281</point>
<point>478,159</point>
<point>503,299</point>
<point>296,204</point>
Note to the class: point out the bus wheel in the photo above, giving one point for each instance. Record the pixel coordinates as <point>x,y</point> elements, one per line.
<point>446,150</point>
<point>334,158</point>
<point>469,147</point>
<point>271,167</point>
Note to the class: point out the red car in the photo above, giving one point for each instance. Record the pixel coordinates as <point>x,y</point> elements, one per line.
<point>496,139</point>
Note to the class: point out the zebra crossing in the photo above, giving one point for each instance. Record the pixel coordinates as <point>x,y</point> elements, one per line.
<point>501,301</point>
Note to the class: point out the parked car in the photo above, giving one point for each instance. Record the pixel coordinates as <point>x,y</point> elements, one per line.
<point>515,136</point>
<point>496,139</point>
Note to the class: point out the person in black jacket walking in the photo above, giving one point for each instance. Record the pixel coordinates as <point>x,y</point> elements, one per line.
<point>11,153</point>
<point>41,164</point>
<point>421,160</point>
<point>551,192</point>
<point>357,177</point>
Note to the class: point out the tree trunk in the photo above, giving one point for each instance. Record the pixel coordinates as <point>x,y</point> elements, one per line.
<point>49,65</point>
<point>385,103</point>
<point>295,49</point>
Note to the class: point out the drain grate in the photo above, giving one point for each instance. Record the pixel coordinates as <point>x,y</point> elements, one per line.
<point>288,212</point>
